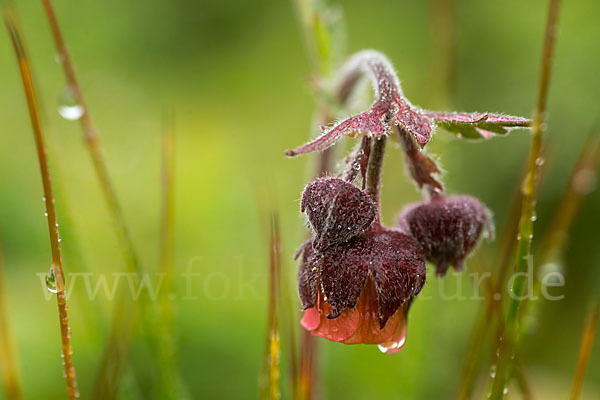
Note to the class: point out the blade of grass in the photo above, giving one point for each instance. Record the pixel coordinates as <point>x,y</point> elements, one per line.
<point>443,65</point>
<point>550,250</point>
<point>270,386</point>
<point>56,267</point>
<point>290,318</point>
<point>522,383</point>
<point>167,213</point>
<point>92,142</point>
<point>171,380</point>
<point>117,353</point>
<point>555,240</point>
<point>488,310</point>
<point>587,341</point>
<point>510,335</point>
<point>308,367</point>
<point>149,315</point>
<point>575,191</point>
<point>8,361</point>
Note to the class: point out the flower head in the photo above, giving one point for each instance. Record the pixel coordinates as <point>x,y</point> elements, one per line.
<point>357,278</point>
<point>360,291</point>
<point>447,227</point>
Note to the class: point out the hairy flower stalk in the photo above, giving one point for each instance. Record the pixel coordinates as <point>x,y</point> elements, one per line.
<point>357,278</point>
<point>391,106</point>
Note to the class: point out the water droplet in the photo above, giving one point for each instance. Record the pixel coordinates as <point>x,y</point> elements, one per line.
<point>392,347</point>
<point>68,108</point>
<point>51,280</point>
<point>45,213</point>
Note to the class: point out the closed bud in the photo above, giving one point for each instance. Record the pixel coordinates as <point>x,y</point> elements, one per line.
<point>448,228</point>
<point>336,210</point>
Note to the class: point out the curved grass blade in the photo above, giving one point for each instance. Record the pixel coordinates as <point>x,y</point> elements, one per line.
<point>56,268</point>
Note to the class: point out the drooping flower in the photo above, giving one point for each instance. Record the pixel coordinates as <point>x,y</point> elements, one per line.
<point>357,279</point>
<point>360,291</point>
<point>447,227</point>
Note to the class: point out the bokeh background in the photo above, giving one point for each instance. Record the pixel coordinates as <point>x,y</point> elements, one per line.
<point>236,74</point>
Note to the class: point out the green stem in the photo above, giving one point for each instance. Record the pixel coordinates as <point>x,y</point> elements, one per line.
<point>40,144</point>
<point>510,336</point>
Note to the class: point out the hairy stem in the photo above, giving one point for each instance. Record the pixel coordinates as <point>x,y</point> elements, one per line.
<point>357,161</point>
<point>374,170</point>
<point>420,166</point>
<point>511,331</point>
<point>65,330</point>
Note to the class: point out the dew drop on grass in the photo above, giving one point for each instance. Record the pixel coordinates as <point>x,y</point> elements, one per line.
<point>68,107</point>
<point>51,281</point>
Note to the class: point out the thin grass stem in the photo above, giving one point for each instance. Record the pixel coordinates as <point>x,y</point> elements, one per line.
<point>510,334</point>
<point>271,373</point>
<point>90,134</point>
<point>8,360</point>
<point>56,267</point>
<point>585,349</point>
<point>443,36</point>
<point>554,241</point>
<point>169,381</point>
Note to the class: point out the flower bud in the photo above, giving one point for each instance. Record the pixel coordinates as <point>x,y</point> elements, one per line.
<point>337,211</point>
<point>448,228</point>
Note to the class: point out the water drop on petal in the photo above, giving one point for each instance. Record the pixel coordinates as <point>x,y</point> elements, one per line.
<point>392,347</point>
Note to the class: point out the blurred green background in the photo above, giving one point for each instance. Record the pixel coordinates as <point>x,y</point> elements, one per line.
<point>236,74</point>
